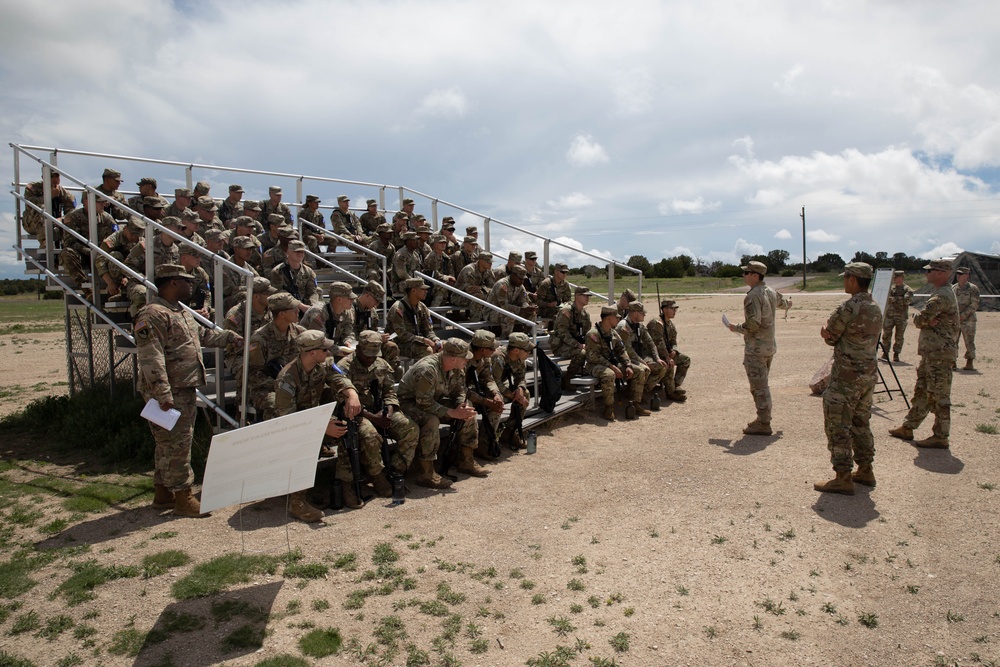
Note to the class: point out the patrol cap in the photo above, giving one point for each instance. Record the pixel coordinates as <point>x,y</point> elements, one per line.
<point>514,257</point>
<point>343,198</point>
<point>287,232</point>
<point>111,173</point>
<point>484,338</point>
<point>447,226</point>
<point>456,347</point>
<point>182,192</point>
<point>202,187</point>
<point>447,220</point>
<point>897,274</point>
<point>939,264</point>
<point>371,202</point>
<point>418,218</point>
<point>636,307</point>
<point>243,221</point>
<point>561,267</point>
<point>146,180</point>
<point>407,202</point>
<point>607,311</point>
<point>755,267</point>
<point>414,283</point>
<point>423,229</point>
<point>251,206</point>
<point>472,230</point>
<point>313,198</point>
<point>629,295</point>
<point>187,215</point>
<point>485,257</point>
<point>521,341</point>
<point>668,303</point>
<point>370,343</point>
<point>172,271</point>
<point>188,249</point>
<point>235,188</point>
<point>275,219</point>
<point>310,340</point>
<point>962,271</point>
<point>172,222</point>
<point>213,235</point>
<point>531,254</point>
<point>274,190</point>
<point>338,288</point>
<point>518,271</point>
<point>437,238</point>
<point>206,203</point>
<point>858,270</point>
<point>470,239</point>
<point>582,291</point>
<point>400,215</point>
<point>282,301</point>
<point>384,228</point>
<point>375,289</point>
<point>263,286</point>
<point>408,235</point>
<point>136,224</point>
<point>296,245</point>
<point>243,242</point>
<point>154,202</point>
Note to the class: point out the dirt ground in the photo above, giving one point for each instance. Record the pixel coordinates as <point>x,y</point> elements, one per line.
<point>705,546</point>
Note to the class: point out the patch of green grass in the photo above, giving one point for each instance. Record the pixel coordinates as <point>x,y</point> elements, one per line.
<point>384,553</point>
<point>527,584</point>
<point>22,515</point>
<point>575,585</point>
<point>517,573</point>
<point>320,605</point>
<point>55,526</point>
<point>321,642</point>
<point>868,620</point>
<point>55,626</point>
<point>27,622</point>
<point>791,635</point>
<point>158,563</point>
<point>127,642</point>
<point>537,598</point>
<point>70,660</point>
<point>11,660</point>
<point>14,579</point>
<point>954,617</point>
<point>244,637</point>
<point>989,429</point>
<point>433,608</point>
<point>283,660</point>
<point>445,594</point>
<point>987,486</point>
<point>347,562</point>
<point>219,573</point>
<point>620,642</point>
<point>710,631</point>
<point>682,590</point>
<point>561,625</point>
<point>89,575</point>
<point>306,571</point>
<point>771,606</point>
<point>719,539</point>
<point>83,631</point>
<point>165,535</point>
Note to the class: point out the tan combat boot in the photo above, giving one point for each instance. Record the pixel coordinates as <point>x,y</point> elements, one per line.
<point>885,356</point>
<point>351,500</point>
<point>163,499</point>
<point>300,508</point>
<point>933,442</point>
<point>903,432</point>
<point>757,427</point>
<point>842,483</point>
<point>641,411</point>
<point>429,478</point>
<point>483,450</point>
<point>968,365</point>
<point>609,413</point>
<point>185,504</point>
<point>864,475</point>
<point>678,395</point>
<point>383,489</point>
<point>467,464</point>
<point>895,357</point>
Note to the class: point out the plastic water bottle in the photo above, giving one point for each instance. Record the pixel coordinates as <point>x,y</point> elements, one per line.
<point>532,445</point>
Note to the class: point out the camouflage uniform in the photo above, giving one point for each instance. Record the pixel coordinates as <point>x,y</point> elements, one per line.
<point>301,284</point>
<point>759,344</point>
<point>405,263</point>
<point>235,319</point>
<point>897,315</point>
<point>270,350</point>
<point>32,221</point>
<point>228,211</point>
<point>475,282</point>
<point>168,350</point>
<point>174,211</point>
<point>507,376</point>
<point>569,332</point>
<point>272,257</point>
<point>373,267</point>
<point>460,260</point>
<point>354,375</point>
<point>550,292</point>
<point>847,402</point>
<point>338,328</point>
<point>513,300</point>
<point>370,222</point>
<point>136,260</point>
<point>664,335</point>
<point>282,209</point>
<point>426,393</point>
<point>601,350</point>
<point>118,247</point>
<point>234,286</point>
<point>311,236</point>
<point>366,319</point>
<point>642,352</point>
<point>346,224</point>
<point>408,323</point>
<point>968,303</point>
<point>439,267</point>
<point>938,349</point>
<point>74,251</point>
<point>114,211</point>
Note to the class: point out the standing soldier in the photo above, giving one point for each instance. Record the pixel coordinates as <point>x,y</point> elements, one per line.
<point>853,331</point>
<point>553,292</point>
<point>967,296</point>
<point>641,348</point>
<point>664,334</point>
<point>433,391</point>
<point>938,348</point>
<point>759,344</point>
<point>271,348</point>
<point>410,320</point>
<point>897,314</point>
<point>569,335</point>
<point>608,361</point>
<point>371,219</point>
<point>62,204</point>
<point>168,343</point>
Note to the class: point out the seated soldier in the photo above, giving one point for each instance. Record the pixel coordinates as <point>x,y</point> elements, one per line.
<point>62,205</point>
<point>410,320</point>
<point>336,318</point>
<point>475,279</point>
<point>465,255</point>
<point>366,387</point>
<point>310,213</point>
<point>271,348</point>
<point>276,255</point>
<point>274,223</point>
<point>201,293</point>
<point>664,334</point>
<point>296,277</point>
<point>119,244</point>
<point>430,393</point>
<point>482,391</point>
<point>366,319</point>
<point>627,297</point>
<point>438,266</point>
<point>424,234</point>
<point>553,292</point>
<point>448,232</point>
<point>236,318</point>
<point>569,335</point>
<point>345,223</point>
<point>76,253</point>
<point>165,251</point>
<point>513,259</point>
<point>190,224</point>
<point>406,261</point>
<point>382,244</point>
<point>110,180</point>
<point>641,349</point>
<point>232,206</point>
<point>299,386</point>
<point>206,209</point>
<point>535,274</point>
<point>233,283</point>
<point>147,188</point>
<point>182,202</point>
<point>371,218</point>
<point>216,243</point>
<point>509,294</point>
<point>509,370</point>
<point>608,361</point>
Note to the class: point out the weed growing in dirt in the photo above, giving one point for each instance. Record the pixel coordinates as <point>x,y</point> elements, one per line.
<point>321,642</point>
<point>575,585</point>
<point>710,631</point>
<point>561,625</point>
<point>89,575</point>
<point>216,575</point>
<point>954,617</point>
<point>55,626</point>
<point>987,486</point>
<point>758,623</point>
<point>868,620</point>
<point>156,564</point>
<point>771,606</point>
<point>28,622</point>
<point>989,429</point>
<point>620,642</point>
<point>791,635</point>
<point>682,590</point>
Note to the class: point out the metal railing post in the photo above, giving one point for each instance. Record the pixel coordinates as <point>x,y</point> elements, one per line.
<point>50,243</point>
<point>545,258</point>
<point>189,176</point>
<point>434,214</point>
<point>95,289</point>
<point>401,197</point>
<point>299,199</point>
<point>486,234</point>
<point>611,282</point>
<point>18,213</point>
<point>381,198</point>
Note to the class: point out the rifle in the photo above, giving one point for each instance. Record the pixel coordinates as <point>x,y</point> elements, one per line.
<point>353,449</point>
<point>394,476</point>
<point>448,452</point>
<point>621,384</point>
<point>514,426</point>
<point>292,288</point>
<point>492,444</point>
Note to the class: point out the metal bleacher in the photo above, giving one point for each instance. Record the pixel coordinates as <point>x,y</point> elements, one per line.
<point>100,347</point>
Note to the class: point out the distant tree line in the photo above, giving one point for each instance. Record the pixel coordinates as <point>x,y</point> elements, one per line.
<point>15,286</point>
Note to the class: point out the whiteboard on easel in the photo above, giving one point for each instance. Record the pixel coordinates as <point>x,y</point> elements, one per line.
<point>880,288</point>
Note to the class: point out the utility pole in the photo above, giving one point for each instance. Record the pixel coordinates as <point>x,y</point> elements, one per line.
<point>803,248</point>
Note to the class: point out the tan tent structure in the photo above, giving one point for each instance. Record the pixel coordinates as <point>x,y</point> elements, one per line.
<point>984,272</point>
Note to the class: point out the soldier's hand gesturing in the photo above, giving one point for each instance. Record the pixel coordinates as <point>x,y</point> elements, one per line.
<point>463,412</point>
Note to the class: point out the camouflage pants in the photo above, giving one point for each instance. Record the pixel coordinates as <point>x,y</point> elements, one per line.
<point>172,456</point>
<point>33,223</point>
<point>136,293</point>
<point>577,359</point>
<point>475,310</point>
<point>263,401</point>
<point>430,431</point>
<point>847,409</point>
<point>390,352</point>
<point>899,324</point>
<point>657,372</point>
<point>674,377</point>
<point>439,297</point>
<point>369,450</point>
<point>413,350</point>
<point>932,394</point>
<point>968,329</point>
<point>72,261</point>
<point>507,324</point>
<point>757,368</point>
<point>634,386</point>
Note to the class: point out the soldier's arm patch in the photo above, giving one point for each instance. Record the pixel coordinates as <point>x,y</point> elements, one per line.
<point>141,329</point>
<point>286,388</point>
<point>254,345</point>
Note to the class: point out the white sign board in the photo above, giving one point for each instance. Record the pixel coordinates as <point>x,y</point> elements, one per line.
<point>264,460</point>
<point>880,288</point>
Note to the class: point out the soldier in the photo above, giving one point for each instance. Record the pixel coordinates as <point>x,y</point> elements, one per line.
<point>165,251</point>
<point>938,348</point>
<point>967,296</point>
<point>381,244</point>
<point>641,349</point>
<point>201,285</point>
<point>406,260</point>
<point>364,378</point>
<point>201,189</point>
<point>366,319</point>
<point>897,314</point>
<point>233,283</point>
<point>407,211</point>
<point>274,206</point>
<point>345,223</point>
<point>111,179</point>
<point>569,335</point>
<point>190,224</point>
<point>432,391</point>
<point>608,361</point>
<point>482,389</point>
<point>466,255</point>
<point>508,370</point>
<point>336,318</point>
<point>207,219</point>
<point>535,274</point>
<point>513,259</point>
<point>147,188</point>
<point>759,345</point>
<point>553,291</point>
<point>475,279</point>
<point>76,252</point>
<point>243,226</point>
<point>168,343</point>
<point>271,348</point>
<point>276,254</point>
<point>448,232</point>
<point>232,206</point>
<point>438,266</point>
<point>664,334</point>
<point>371,219</point>
<point>627,297</point>
<point>236,318</point>
<point>400,225</point>
<point>252,210</point>
<point>853,331</point>
<point>310,213</point>
<point>215,243</point>
<point>423,242</point>
<point>509,294</point>
<point>296,277</point>
<point>300,386</point>
<point>118,244</point>
<point>472,231</point>
<point>62,205</point>
<point>182,202</point>
<point>410,320</point>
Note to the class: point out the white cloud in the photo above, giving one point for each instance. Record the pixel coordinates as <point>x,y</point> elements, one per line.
<point>585,152</point>
<point>679,250</point>
<point>447,103</point>
<point>785,83</point>
<point>821,236</point>
<point>687,206</point>
<point>744,247</point>
<point>572,200</point>
<point>767,197</point>
<point>947,249</point>
<point>783,234</point>
<point>633,92</point>
<point>745,143</point>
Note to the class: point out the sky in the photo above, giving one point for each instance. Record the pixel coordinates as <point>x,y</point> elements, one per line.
<point>642,127</point>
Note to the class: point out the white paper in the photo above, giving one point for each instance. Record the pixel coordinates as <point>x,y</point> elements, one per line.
<point>725,320</point>
<point>165,419</point>
<point>264,460</point>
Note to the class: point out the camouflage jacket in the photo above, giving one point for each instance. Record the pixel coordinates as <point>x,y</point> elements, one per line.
<point>534,279</point>
<point>405,263</point>
<point>551,294</point>
<point>605,350</point>
<point>475,282</point>
<point>62,202</point>
<point>273,257</point>
<point>407,322</point>
<point>296,389</point>
<point>281,209</point>
<point>370,222</point>
<point>482,383</point>
<point>162,254</point>
<point>354,375</point>
<point>460,260</point>
<point>79,222</point>
<point>236,316</point>
<point>174,210</point>
<point>115,212</point>
<point>168,349</point>
<point>968,301</point>
<point>338,328</point>
<point>854,327</point>
<point>426,383</point>
<point>234,285</point>
<point>664,335</point>
<point>570,329</point>
<point>301,284</point>
<point>898,304</point>
<point>939,325</point>
<point>438,266</point>
<point>116,242</point>
<point>759,306</point>
<point>346,224</point>
<point>638,343</point>
<point>508,374</point>
<point>506,296</point>
<point>270,351</point>
<point>228,210</point>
